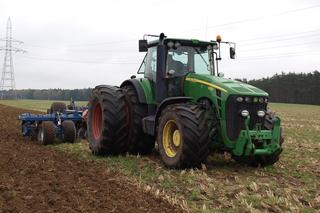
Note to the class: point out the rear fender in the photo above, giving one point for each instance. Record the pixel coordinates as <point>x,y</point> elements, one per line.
<point>140,92</point>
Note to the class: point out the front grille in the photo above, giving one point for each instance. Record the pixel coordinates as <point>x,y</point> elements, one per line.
<point>235,122</point>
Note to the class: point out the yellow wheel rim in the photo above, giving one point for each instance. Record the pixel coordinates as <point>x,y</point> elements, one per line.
<point>176,138</point>
<point>171,139</point>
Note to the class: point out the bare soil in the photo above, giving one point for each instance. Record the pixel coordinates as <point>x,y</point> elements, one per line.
<point>35,178</point>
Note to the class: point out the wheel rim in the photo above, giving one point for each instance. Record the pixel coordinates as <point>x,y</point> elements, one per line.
<point>40,135</point>
<point>171,138</point>
<point>97,121</point>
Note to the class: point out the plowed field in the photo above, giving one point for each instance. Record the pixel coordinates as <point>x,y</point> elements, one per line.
<point>35,178</point>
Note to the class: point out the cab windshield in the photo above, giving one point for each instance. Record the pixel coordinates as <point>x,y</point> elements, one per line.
<point>186,59</point>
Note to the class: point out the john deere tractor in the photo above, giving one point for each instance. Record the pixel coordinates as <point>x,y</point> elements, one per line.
<point>185,106</point>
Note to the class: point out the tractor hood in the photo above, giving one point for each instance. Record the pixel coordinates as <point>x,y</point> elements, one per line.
<point>225,85</point>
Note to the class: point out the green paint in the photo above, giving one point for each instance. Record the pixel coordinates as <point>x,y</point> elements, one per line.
<point>148,90</point>
<point>243,145</point>
<point>218,90</point>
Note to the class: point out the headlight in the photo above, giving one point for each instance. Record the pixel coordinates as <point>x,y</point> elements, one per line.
<point>239,99</point>
<point>261,100</point>
<point>245,113</point>
<point>248,99</point>
<point>261,113</point>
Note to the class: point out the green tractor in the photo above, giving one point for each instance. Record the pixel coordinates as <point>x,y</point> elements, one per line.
<point>185,106</point>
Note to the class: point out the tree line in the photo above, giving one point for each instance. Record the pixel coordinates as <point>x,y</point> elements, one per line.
<point>51,94</point>
<point>301,88</point>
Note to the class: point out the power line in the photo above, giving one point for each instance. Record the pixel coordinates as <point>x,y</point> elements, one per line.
<point>277,40</point>
<point>308,53</point>
<point>283,39</point>
<point>212,26</point>
<point>264,17</point>
<point>102,43</point>
<point>281,46</point>
<point>77,48</point>
<point>77,61</point>
<point>281,35</point>
<point>254,19</point>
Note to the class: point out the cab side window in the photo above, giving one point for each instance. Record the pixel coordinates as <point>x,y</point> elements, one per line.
<point>151,64</point>
<point>142,68</point>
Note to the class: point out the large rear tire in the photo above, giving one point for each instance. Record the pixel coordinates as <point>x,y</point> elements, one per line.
<point>138,141</point>
<point>268,159</point>
<point>183,136</point>
<point>69,131</point>
<point>46,133</point>
<point>108,121</point>
<point>57,107</point>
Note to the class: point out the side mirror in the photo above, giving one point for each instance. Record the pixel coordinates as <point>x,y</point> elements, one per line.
<point>232,53</point>
<point>143,45</point>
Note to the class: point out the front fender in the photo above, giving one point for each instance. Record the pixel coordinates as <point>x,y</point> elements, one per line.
<point>169,101</point>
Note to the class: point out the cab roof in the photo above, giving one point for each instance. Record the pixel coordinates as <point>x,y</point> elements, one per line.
<point>184,42</point>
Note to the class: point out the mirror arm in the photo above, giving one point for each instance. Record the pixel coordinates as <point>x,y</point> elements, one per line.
<point>218,58</point>
<point>211,60</point>
<point>216,62</point>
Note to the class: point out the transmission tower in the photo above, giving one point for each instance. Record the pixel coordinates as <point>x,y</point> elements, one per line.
<point>7,78</point>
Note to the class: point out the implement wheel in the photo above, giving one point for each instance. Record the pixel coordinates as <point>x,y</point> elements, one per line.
<point>183,136</point>
<point>46,133</point>
<point>138,141</point>
<point>69,131</point>
<point>57,107</point>
<point>108,121</point>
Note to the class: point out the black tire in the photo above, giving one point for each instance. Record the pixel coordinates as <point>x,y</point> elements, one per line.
<point>57,107</point>
<point>193,133</point>
<point>138,141</point>
<point>46,133</point>
<point>108,121</point>
<point>264,160</point>
<point>82,134</point>
<point>211,115</point>
<point>69,131</point>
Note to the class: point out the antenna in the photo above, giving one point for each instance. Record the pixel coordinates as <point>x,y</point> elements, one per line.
<point>7,77</point>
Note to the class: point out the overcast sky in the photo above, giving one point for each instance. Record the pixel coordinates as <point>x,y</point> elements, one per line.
<point>79,44</point>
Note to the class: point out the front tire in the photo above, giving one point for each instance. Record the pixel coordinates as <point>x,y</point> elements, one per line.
<point>107,121</point>
<point>183,136</point>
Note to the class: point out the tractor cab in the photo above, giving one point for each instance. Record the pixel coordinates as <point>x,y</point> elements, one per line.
<point>168,61</point>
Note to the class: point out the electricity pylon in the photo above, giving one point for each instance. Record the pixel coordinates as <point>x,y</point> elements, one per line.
<point>7,78</point>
